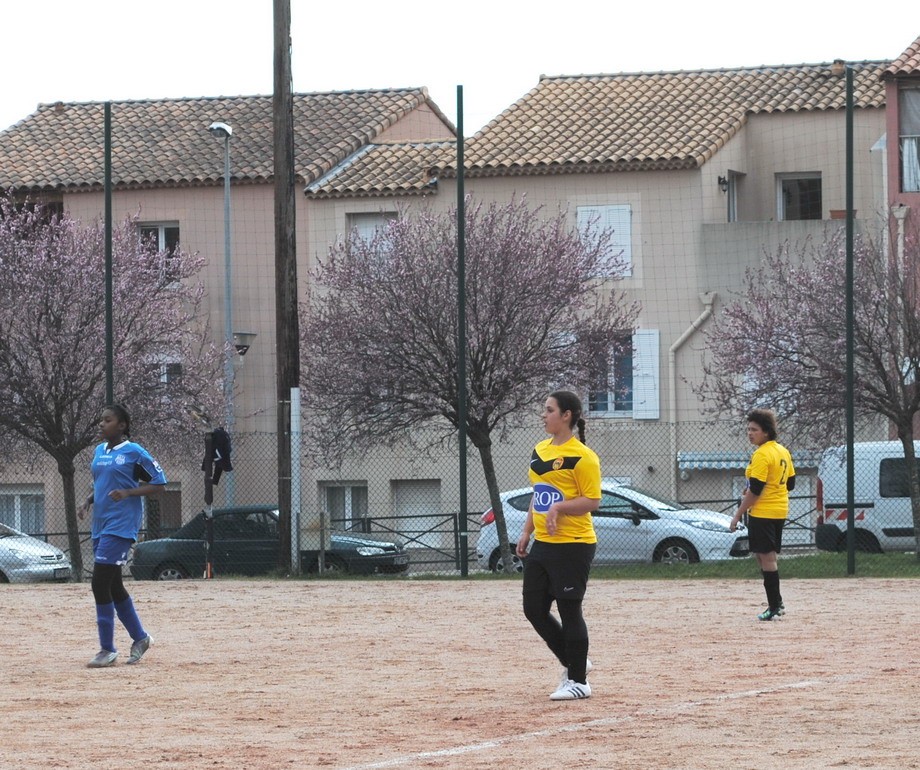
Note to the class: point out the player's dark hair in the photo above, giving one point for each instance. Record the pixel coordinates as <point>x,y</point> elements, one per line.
<point>122,414</point>
<point>569,402</point>
<point>766,419</point>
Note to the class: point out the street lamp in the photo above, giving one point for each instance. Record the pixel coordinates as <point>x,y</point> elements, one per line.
<point>223,131</point>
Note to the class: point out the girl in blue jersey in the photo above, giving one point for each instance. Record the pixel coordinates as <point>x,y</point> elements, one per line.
<point>566,479</point>
<point>123,472</point>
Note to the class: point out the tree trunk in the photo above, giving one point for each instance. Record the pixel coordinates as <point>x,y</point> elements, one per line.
<point>488,469</point>
<point>913,479</point>
<point>66,469</point>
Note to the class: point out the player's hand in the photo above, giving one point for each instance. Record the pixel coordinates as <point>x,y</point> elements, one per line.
<point>81,512</point>
<point>118,494</point>
<point>552,519</point>
<point>522,544</point>
<point>733,525</point>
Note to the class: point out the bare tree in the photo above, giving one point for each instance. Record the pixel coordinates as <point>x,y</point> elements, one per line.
<point>380,329</point>
<point>783,342</point>
<point>52,340</point>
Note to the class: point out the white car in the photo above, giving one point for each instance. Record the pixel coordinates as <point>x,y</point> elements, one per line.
<point>25,559</point>
<point>631,526</point>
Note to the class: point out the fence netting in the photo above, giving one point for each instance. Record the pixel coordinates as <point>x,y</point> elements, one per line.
<point>668,494</point>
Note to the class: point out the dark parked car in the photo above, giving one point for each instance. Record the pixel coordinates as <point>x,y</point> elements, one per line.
<point>246,542</point>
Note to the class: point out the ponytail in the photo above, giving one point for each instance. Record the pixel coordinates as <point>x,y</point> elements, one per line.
<point>581,429</point>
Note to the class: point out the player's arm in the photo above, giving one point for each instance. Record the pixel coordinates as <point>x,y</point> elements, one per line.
<point>748,499</point>
<point>524,540</point>
<point>83,510</point>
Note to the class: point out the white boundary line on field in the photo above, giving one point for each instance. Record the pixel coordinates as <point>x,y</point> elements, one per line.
<point>411,760</point>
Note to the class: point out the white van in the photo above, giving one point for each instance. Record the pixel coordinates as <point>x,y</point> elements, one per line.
<point>882,514</point>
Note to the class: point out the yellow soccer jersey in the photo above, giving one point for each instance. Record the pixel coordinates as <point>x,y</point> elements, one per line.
<point>771,463</point>
<point>561,473</point>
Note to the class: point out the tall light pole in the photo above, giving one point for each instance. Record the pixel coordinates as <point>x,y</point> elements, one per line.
<point>224,131</point>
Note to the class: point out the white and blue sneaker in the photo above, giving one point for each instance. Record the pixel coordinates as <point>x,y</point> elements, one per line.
<point>139,648</point>
<point>103,659</point>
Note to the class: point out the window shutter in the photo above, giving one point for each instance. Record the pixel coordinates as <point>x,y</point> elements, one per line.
<point>617,218</point>
<point>646,375</point>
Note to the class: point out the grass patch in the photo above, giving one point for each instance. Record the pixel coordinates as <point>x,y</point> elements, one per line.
<point>792,565</point>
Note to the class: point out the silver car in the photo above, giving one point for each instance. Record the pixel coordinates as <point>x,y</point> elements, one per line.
<point>631,526</point>
<point>25,559</point>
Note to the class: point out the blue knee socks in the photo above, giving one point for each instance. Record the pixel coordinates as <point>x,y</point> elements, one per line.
<point>105,620</point>
<point>129,619</point>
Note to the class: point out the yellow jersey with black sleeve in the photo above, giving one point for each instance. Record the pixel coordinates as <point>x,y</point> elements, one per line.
<point>771,464</point>
<point>564,472</point>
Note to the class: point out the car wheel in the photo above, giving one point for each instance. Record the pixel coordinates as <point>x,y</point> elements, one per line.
<point>497,564</point>
<point>675,551</point>
<point>170,572</point>
<point>335,566</point>
<point>865,542</point>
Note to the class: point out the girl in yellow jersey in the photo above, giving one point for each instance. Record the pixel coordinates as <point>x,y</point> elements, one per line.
<point>566,479</point>
<point>771,477</point>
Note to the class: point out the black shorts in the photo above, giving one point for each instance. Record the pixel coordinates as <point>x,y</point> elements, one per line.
<point>559,569</point>
<point>765,535</point>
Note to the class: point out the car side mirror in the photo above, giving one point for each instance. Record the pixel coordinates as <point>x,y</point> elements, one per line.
<point>636,519</point>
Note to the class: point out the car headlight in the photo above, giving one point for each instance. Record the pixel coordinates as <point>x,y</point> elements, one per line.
<point>369,550</point>
<point>19,555</point>
<point>712,526</point>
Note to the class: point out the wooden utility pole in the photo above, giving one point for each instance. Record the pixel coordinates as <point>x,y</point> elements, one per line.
<point>287,327</point>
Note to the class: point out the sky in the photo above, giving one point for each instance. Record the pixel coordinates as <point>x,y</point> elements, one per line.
<point>101,50</point>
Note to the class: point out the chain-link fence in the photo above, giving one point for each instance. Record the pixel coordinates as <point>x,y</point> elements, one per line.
<point>668,494</point>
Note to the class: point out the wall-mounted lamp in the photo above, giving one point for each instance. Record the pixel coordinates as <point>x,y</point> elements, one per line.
<point>723,183</point>
<point>242,341</point>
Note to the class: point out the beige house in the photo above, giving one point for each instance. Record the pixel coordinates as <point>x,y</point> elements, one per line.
<point>168,170</point>
<point>697,172</point>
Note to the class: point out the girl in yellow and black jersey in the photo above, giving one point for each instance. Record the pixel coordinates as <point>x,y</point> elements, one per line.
<point>770,479</point>
<point>566,479</point>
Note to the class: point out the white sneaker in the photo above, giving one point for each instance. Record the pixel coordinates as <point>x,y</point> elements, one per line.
<point>565,673</point>
<point>572,691</point>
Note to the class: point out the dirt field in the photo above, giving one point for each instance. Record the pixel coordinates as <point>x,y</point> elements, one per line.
<point>411,674</point>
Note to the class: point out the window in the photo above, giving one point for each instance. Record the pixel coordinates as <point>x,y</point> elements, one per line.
<point>618,218</point>
<point>909,130</point>
<point>798,196</point>
<point>22,507</point>
<point>347,506</point>
<point>616,507</point>
<point>629,387</point>
<point>165,239</point>
<point>168,372</point>
<point>892,477</point>
<point>368,224</point>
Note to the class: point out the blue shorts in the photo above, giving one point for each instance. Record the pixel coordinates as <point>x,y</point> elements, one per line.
<point>111,549</point>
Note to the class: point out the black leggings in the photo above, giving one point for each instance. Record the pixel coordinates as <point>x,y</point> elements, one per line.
<point>107,584</point>
<point>567,640</point>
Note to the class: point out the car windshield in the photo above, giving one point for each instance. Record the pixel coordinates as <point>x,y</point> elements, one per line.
<point>651,501</point>
<point>6,531</point>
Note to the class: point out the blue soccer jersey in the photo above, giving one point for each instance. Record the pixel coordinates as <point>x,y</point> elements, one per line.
<point>124,466</point>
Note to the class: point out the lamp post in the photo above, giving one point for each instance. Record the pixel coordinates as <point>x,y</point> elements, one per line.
<point>223,131</point>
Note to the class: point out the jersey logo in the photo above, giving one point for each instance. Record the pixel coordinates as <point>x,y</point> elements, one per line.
<point>544,495</point>
<point>541,466</point>
<point>120,460</point>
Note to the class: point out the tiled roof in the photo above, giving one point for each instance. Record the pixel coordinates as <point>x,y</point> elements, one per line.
<point>166,142</point>
<point>386,169</point>
<point>647,121</point>
<point>908,63</point>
